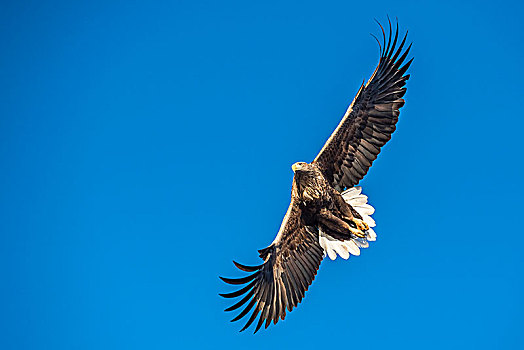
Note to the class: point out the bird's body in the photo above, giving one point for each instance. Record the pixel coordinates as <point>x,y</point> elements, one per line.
<point>327,215</point>
<point>322,206</point>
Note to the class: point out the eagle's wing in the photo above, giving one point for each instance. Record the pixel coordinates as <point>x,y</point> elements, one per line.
<point>370,119</point>
<point>290,265</point>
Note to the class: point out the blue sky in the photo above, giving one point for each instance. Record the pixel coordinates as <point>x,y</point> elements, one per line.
<point>144,145</point>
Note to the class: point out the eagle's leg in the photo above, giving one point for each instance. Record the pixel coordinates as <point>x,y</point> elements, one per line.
<point>345,209</point>
<point>349,214</point>
<point>338,225</point>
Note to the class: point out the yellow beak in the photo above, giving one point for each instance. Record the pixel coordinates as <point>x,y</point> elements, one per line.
<point>296,167</point>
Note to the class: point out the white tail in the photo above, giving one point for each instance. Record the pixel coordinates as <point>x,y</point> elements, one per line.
<point>333,246</point>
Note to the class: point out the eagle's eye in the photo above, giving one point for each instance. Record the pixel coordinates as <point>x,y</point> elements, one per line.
<point>352,224</point>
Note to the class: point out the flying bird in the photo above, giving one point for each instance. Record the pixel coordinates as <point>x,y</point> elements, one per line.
<point>328,214</point>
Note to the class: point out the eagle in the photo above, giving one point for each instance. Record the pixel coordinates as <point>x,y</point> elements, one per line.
<point>328,214</point>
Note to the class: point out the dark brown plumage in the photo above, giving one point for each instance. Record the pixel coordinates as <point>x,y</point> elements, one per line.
<point>320,220</point>
<point>369,121</point>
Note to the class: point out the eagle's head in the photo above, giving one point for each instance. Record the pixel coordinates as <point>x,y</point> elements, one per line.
<point>301,167</point>
<point>307,180</point>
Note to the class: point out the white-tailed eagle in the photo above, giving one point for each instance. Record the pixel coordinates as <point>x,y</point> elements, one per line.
<point>327,215</point>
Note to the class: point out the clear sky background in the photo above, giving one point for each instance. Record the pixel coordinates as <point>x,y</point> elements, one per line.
<point>144,145</point>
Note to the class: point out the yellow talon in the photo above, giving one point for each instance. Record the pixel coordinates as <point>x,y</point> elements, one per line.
<point>361,224</point>
<point>357,232</point>
<point>359,228</point>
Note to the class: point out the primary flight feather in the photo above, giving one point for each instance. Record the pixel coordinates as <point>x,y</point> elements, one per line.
<point>327,214</point>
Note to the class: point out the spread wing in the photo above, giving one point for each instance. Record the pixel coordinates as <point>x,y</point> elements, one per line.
<point>370,119</point>
<point>290,265</point>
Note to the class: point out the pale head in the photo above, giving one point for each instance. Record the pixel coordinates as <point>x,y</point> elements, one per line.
<point>300,166</point>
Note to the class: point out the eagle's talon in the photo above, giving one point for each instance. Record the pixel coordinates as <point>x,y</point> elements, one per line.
<point>361,224</point>
<point>357,233</point>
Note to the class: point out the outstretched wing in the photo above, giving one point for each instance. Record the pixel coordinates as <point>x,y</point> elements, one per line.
<point>370,119</point>
<point>290,265</point>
